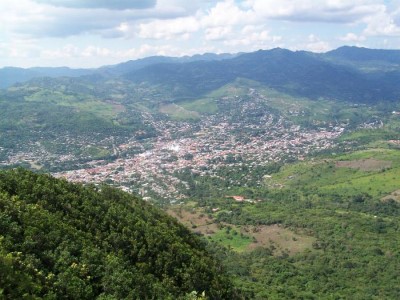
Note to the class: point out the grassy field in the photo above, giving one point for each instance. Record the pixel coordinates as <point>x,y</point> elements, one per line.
<point>208,104</point>
<point>280,239</point>
<point>392,196</point>
<point>244,238</point>
<point>239,87</point>
<point>81,103</point>
<point>96,152</point>
<point>203,106</point>
<point>179,113</point>
<point>373,171</point>
<point>232,238</point>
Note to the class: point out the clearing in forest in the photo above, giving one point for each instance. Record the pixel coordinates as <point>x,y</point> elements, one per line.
<point>178,113</point>
<point>395,196</point>
<point>195,220</point>
<point>278,239</point>
<point>368,164</point>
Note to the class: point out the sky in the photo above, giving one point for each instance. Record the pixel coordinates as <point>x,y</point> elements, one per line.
<point>92,33</point>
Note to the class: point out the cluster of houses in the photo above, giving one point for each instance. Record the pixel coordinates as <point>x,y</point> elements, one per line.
<point>203,148</point>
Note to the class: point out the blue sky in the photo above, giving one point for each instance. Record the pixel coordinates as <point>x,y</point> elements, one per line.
<point>92,33</point>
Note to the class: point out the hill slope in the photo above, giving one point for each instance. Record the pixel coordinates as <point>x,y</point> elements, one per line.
<point>298,73</point>
<point>365,54</point>
<point>64,241</point>
<point>11,75</point>
<point>347,73</point>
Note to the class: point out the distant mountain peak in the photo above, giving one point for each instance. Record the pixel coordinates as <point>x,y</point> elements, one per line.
<point>365,54</point>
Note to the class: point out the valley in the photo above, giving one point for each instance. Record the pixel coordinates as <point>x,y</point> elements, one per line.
<point>246,131</point>
<point>289,179</point>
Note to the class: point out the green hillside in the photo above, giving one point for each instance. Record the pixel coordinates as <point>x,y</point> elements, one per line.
<point>64,241</point>
<point>298,73</point>
<point>325,228</point>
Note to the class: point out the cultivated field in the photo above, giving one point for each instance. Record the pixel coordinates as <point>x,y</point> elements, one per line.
<point>280,240</point>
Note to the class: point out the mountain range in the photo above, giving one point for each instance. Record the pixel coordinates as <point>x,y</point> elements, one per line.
<point>347,73</point>
<point>12,75</point>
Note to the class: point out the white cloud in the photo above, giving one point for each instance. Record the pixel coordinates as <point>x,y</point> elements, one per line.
<point>146,50</point>
<point>336,11</point>
<point>226,13</point>
<point>352,37</point>
<point>95,51</point>
<point>216,23</point>
<point>185,7</point>
<point>150,50</point>
<point>315,44</point>
<point>382,24</point>
<point>218,33</point>
<point>121,30</point>
<point>20,48</point>
<point>254,38</point>
<point>78,32</point>
<point>67,51</point>
<point>114,4</point>
<point>168,29</point>
<point>37,20</point>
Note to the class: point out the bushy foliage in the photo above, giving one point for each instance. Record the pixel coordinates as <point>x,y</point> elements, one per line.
<point>65,241</point>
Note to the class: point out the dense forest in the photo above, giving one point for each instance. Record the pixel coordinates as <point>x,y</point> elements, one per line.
<point>326,228</point>
<point>65,241</point>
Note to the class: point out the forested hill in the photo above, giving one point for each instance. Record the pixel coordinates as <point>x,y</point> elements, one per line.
<point>359,54</point>
<point>299,73</point>
<point>12,75</point>
<point>348,73</point>
<point>64,241</point>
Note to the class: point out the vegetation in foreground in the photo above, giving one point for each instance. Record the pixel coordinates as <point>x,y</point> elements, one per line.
<point>64,241</point>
